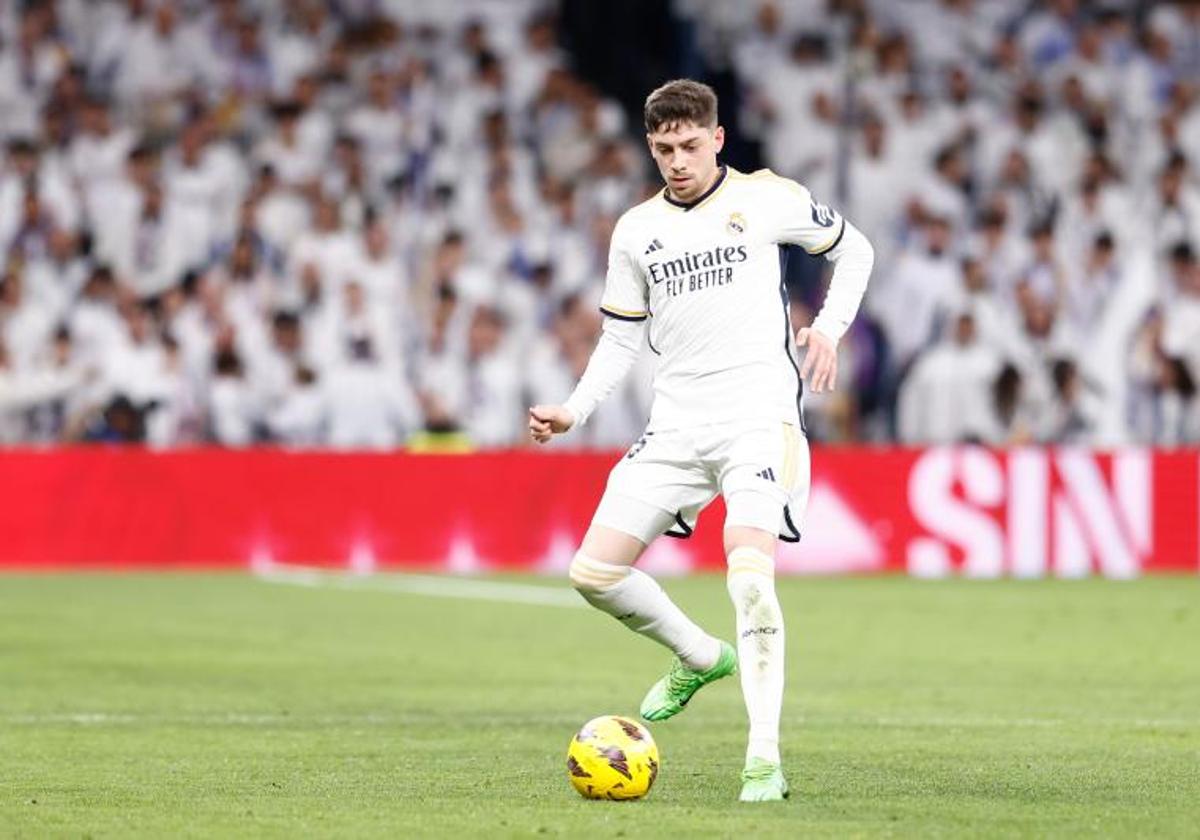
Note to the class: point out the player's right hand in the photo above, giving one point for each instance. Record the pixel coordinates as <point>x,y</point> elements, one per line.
<point>546,421</point>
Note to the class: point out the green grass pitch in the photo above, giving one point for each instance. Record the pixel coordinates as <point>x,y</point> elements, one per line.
<point>224,706</point>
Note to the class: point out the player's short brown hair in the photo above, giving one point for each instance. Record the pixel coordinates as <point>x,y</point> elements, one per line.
<point>679,102</point>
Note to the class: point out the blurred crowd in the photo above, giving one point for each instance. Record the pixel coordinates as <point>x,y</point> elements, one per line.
<point>379,223</point>
<point>359,225</point>
<point>1028,175</point>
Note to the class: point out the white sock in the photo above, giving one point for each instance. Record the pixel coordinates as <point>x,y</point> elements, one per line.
<point>751,581</point>
<point>637,601</point>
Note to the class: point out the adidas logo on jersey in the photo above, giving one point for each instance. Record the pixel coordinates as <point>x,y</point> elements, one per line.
<point>654,246</point>
<point>768,474</point>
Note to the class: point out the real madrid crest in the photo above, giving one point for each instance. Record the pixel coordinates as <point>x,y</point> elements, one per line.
<point>736,223</point>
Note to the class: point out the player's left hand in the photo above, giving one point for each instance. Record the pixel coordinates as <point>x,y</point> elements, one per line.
<point>820,362</point>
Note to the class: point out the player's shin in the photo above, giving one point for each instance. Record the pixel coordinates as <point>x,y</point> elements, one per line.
<point>637,601</point>
<point>760,642</point>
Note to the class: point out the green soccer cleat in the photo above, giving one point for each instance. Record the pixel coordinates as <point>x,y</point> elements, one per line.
<point>668,696</point>
<point>762,781</point>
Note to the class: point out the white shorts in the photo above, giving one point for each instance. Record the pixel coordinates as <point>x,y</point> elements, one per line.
<point>667,478</point>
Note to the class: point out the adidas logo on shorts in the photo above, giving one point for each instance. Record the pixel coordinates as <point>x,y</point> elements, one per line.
<point>768,474</point>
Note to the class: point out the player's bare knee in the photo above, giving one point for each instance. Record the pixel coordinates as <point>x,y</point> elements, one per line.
<point>590,575</point>
<point>611,546</point>
<point>603,560</point>
<point>745,536</point>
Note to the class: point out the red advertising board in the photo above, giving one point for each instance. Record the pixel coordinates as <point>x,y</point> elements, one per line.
<point>953,511</point>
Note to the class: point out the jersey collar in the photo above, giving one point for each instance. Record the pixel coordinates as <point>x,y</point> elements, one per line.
<point>696,202</point>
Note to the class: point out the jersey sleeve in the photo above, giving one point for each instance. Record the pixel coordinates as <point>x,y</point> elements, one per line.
<point>625,290</point>
<point>802,219</point>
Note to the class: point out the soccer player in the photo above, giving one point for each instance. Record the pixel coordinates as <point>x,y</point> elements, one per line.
<point>696,273</point>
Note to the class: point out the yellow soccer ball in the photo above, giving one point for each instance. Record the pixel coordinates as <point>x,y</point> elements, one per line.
<point>612,757</point>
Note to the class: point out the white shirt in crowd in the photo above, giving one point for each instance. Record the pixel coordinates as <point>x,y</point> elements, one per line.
<point>947,396</point>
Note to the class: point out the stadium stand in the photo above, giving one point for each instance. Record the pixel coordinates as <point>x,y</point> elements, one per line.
<point>369,223</point>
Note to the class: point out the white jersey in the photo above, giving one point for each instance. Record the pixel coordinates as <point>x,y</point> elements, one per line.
<point>708,278</point>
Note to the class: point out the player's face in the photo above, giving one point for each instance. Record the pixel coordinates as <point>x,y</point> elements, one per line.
<point>686,155</point>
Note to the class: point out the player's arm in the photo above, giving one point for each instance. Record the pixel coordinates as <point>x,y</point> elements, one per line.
<point>624,307</point>
<point>618,349</point>
<point>823,232</point>
<point>852,259</point>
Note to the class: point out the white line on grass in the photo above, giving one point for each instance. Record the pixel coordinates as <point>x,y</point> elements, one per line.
<point>432,585</point>
<point>199,719</point>
<point>1014,723</point>
<point>92,718</point>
